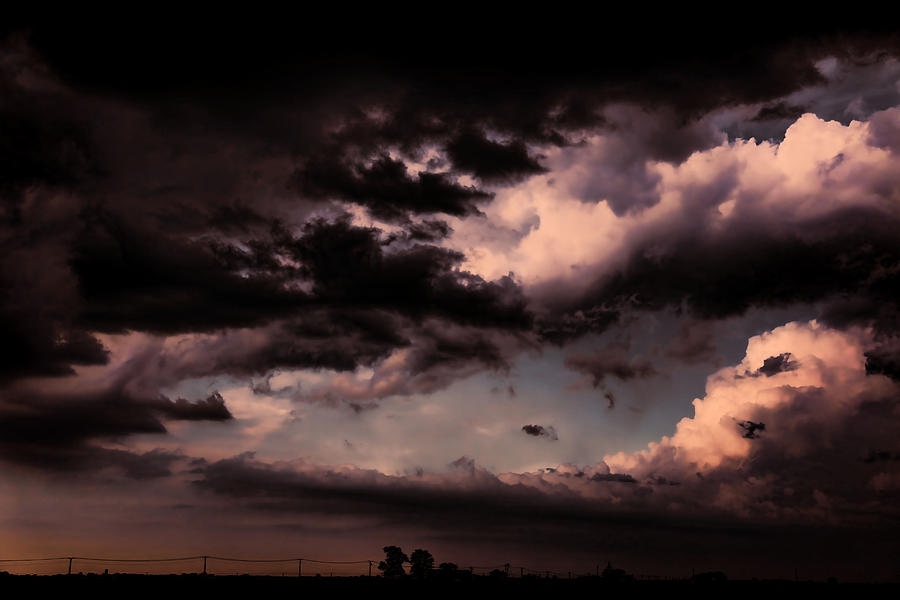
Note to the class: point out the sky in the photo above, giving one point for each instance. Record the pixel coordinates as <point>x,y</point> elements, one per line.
<point>547,296</point>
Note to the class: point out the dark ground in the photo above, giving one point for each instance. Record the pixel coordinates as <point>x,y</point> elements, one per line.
<point>194,586</point>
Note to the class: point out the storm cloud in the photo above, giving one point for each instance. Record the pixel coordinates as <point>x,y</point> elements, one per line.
<point>288,282</point>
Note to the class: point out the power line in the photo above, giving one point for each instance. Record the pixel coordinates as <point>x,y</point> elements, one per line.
<point>7,560</point>
<point>337,562</point>
<point>299,560</point>
<point>184,558</point>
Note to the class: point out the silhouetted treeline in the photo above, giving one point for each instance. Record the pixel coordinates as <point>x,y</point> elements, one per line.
<point>473,586</point>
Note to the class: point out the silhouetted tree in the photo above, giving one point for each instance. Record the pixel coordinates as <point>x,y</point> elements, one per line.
<point>392,565</point>
<point>421,563</point>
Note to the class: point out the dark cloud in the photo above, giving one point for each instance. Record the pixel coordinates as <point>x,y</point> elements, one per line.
<point>35,348</point>
<point>367,299</point>
<point>610,398</point>
<point>349,265</point>
<point>342,110</point>
<point>694,342</point>
<point>235,217</point>
<point>463,463</point>
<point>37,152</point>
<point>489,160</point>
<point>43,143</point>
<point>486,81</point>
<point>779,110</point>
<point>453,347</point>
<point>58,432</point>
<point>133,278</point>
<point>439,353</point>
<point>387,189</point>
<point>846,258</point>
<point>156,237</point>
<point>880,456</point>
<point>620,180</point>
<point>611,361</point>
<point>777,364</point>
<point>211,409</point>
<point>37,290</point>
<point>560,324</point>
<point>362,295</point>
<point>751,429</point>
<point>618,168</point>
<point>548,432</point>
<point>339,339</point>
<point>435,502</point>
<point>614,477</point>
<point>148,465</point>
<point>424,231</point>
<point>884,360</point>
<point>810,452</point>
<point>884,130</point>
<point>160,254</point>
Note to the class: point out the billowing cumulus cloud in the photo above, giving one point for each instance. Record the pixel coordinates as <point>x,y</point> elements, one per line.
<point>806,197</point>
<point>792,444</point>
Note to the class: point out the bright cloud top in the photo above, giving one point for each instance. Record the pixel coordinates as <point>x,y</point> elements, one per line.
<point>557,226</point>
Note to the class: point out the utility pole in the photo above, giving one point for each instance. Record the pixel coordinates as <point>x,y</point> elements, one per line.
<point>70,566</point>
<point>299,567</point>
<point>204,565</point>
<point>370,568</point>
